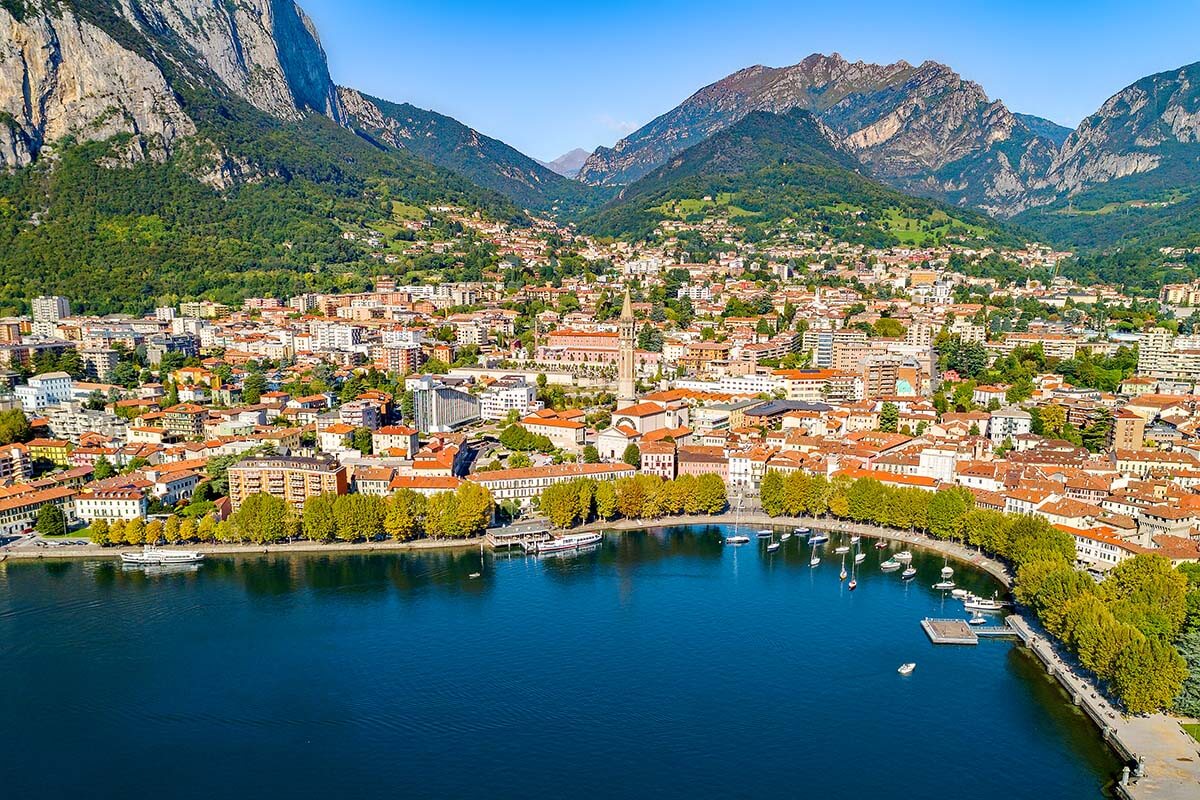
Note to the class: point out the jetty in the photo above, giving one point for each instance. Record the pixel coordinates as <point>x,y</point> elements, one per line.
<point>519,534</point>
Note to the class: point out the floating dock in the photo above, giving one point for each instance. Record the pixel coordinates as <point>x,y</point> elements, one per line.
<point>521,534</point>
<point>958,631</point>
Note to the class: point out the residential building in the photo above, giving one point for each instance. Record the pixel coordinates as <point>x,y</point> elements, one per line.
<point>291,479</point>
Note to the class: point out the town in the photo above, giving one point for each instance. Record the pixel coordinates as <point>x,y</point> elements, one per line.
<point>1043,397</point>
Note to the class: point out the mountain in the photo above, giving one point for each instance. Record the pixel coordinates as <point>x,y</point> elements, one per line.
<point>768,169</point>
<point>448,143</point>
<point>1131,172</point>
<point>568,164</point>
<point>187,147</point>
<point>923,129</point>
<point>1045,128</point>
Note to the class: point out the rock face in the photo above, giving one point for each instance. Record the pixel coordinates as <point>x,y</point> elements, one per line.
<point>1139,129</point>
<point>568,164</point>
<point>93,69</point>
<point>921,128</point>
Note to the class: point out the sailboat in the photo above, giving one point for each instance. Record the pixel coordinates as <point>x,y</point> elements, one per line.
<point>475,575</point>
<point>946,583</point>
<point>843,573</point>
<point>891,565</point>
<point>859,555</point>
<point>853,576</point>
<point>737,538</point>
<point>773,546</point>
<point>816,559</point>
<point>786,535</point>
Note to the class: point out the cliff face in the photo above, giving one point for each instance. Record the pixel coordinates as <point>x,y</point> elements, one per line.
<point>1133,132</point>
<point>94,69</point>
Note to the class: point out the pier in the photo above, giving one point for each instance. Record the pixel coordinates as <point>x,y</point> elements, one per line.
<point>519,534</point>
<point>958,631</point>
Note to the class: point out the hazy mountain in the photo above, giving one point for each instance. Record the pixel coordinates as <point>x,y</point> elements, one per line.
<point>568,164</point>
<point>1045,128</point>
<point>768,168</point>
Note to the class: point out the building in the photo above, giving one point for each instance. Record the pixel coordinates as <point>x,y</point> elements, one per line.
<point>185,420</point>
<point>47,389</point>
<point>18,514</point>
<point>658,458</point>
<point>627,351</point>
<point>125,502</point>
<point>54,451</point>
<point>1128,431</point>
<point>1009,423</point>
<point>524,484</point>
<point>394,440</point>
<point>508,394</point>
<point>565,430</point>
<point>291,479</point>
<point>438,408</point>
<point>50,308</point>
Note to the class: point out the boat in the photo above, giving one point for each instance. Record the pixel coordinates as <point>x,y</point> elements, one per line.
<point>906,669</point>
<point>853,584</point>
<point>802,531</point>
<point>960,594</point>
<point>977,619</point>
<point>988,604</point>
<point>474,575</point>
<point>944,586</point>
<point>772,547</point>
<point>842,575</point>
<point>841,549</point>
<point>860,557</point>
<point>816,559</point>
<point>880,545</point>
<point>816,537</point>
<point>854,539</point>
<point>909,573</point>
<point>151,556</point>
<point>785,537</point>
<point>903,556</point>
<point>765,533</point>
<point>570,541</point>
<point>946,583</point>
<point>891,565</point>
<point>737,538</point>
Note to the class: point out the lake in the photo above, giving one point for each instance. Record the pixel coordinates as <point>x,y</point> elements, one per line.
<point>662,664</point>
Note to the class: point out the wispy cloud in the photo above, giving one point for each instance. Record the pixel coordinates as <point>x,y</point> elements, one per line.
<point>613,124</point>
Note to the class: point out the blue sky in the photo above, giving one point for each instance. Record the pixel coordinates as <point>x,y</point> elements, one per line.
<point>546,77</point>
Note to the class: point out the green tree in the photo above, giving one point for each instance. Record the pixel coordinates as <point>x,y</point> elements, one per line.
<point>590,454</point>
<point>1148,675</point>
<point>50,520</point>
<point>606,500</point>
<point>261,519</point>
<point>318,522</point>
<point>441,515</point>
<point>1147,593</point>
<point>711,496</point>
<point>14,426</point>
<point>358,517</point>
<point>889,417</point>
<point>361,440</point>
<point>947,511</point>
<point>474,509</point>
<point>519,461</point>
<point>405,516</point>
<point>1187,702</point>
<point>771,493</point>
<point>99,532</point>
<point>865,500</point>
<point>253,387</point>
<point>632,456</point>
<point>102,469</point>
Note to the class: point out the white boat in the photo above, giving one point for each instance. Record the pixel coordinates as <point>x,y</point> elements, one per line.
<point>944,586</point>
<point>960,594</point>
<point>906,669</point>
<point>860,557</point>
<point>890,565</point>
<point>801,531</point>
<point>903,556</point>
<point>570,541</point>
<point>737,538</point>
<point>772,547</point>
<point>816,559</point>
<point>151,556</point>
<point>764,533</point>
<point>983,604</point>
<point>880,545</point>
<point>474,575</point>
<point>842,575</point>
<point>785,537</point>
<point>841,549</point>
<point>817,537</point>
<point>854,539</point>
<point>977,619</point>
<point>909,573</point>
<point>853,584</point>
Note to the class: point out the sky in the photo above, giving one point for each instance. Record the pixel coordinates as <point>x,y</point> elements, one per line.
<point>546,77</point>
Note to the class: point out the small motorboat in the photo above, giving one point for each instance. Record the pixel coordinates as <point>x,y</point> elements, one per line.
<point>906,669</point>
<point>772,547</point>
<point>891,565</point>
<point>765,533</point>
<point>816,559</point>
<point>474,575</point>
<point>986,604</point>
<point>853,584</point>
<point>841,549</point>
<point>903,556</point>
<point>947,582</point>
<point>737,538</point>
<point>944,586</point>
<point>909,573</point>
<point>977,619</point>
<point>785,537</point>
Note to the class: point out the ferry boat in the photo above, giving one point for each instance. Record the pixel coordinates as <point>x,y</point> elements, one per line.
<point>570,541</point>
<point>817,537</point>
<point>151,556</point>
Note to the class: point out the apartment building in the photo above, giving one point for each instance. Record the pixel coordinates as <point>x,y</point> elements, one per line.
<point>291,479</point>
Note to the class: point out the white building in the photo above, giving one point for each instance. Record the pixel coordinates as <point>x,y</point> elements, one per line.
<point>1009,423</point>
<point>111,504</point>
<point>47,389</point>
<point>510,393</point>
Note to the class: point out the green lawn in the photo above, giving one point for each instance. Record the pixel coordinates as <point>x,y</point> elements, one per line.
<point>1194,730</point>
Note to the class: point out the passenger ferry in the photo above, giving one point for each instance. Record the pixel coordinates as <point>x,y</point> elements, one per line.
<point>570,541</point>
<point>151,556</point>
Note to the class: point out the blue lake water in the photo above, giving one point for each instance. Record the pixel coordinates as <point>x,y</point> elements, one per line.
<point>661,664</point>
